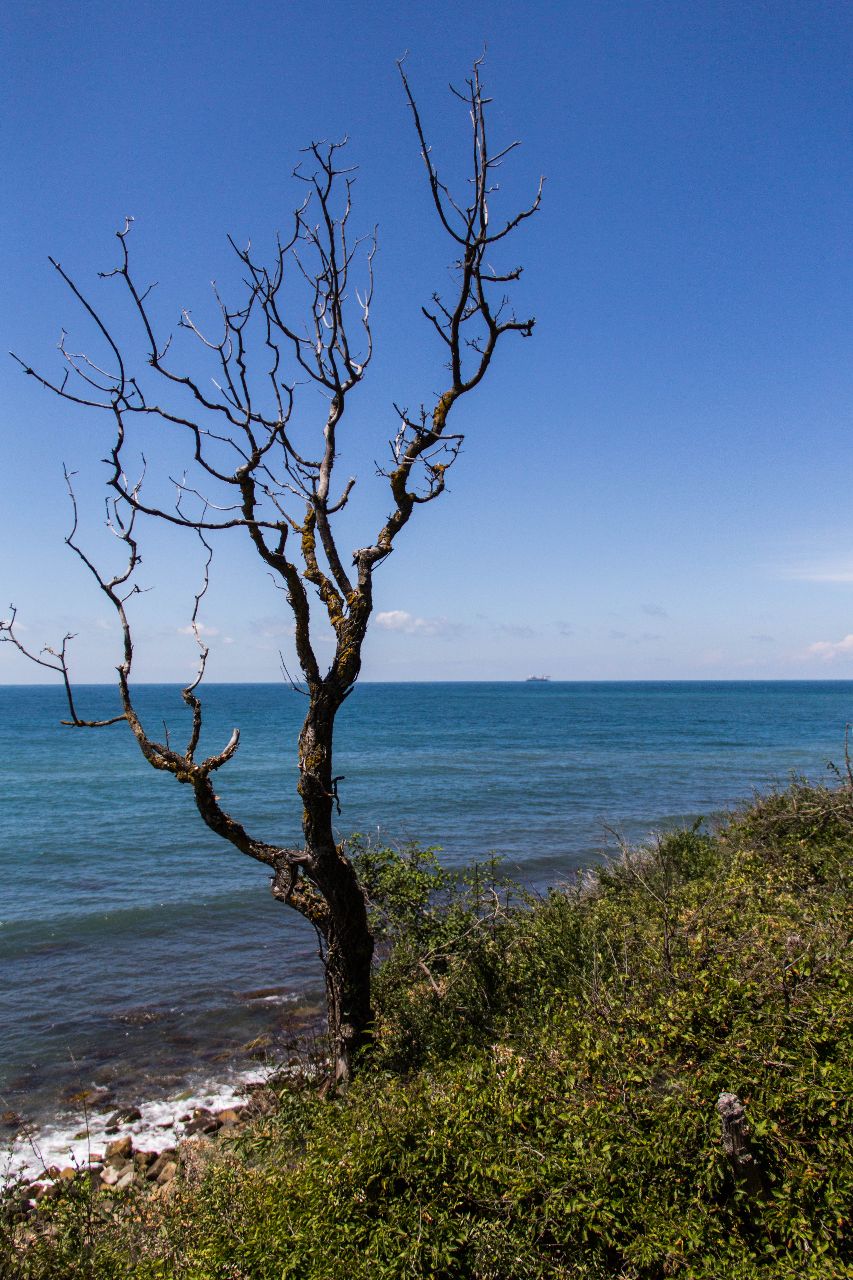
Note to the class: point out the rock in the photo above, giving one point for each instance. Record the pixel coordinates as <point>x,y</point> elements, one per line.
<point>110,1176</point>
<point>68,1173</point>
<point>126,1179</point>
<point>51,1172</point>
<point>104,1102</point>
<point>122,1147</point>
<point>258,1046</point>
<point>138,1017</point>
<point>11,1120</point>
<point>85,1096</point>
<point>203,1125</point>
<point>125,1116</point>
<point>230,1116</point>
<point>142,1159</point>
<point>155,1169</point>
<point>167,1173</point>
<point>203,1121</point>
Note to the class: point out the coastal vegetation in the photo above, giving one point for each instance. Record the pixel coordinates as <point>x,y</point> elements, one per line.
<point>646,1072</point>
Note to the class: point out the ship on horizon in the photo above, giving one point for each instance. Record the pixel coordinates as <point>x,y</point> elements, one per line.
<point>537,680</point>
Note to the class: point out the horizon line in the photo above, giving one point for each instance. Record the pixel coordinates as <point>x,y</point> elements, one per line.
<point>212,684</point>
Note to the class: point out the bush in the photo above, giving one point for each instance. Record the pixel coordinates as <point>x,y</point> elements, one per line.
<point>541,1100</point>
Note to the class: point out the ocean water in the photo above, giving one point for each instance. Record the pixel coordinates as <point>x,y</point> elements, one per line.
<point>141,958</point>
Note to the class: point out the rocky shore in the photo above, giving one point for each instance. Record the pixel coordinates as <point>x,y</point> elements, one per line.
<point>126,1162</point>
<point>154,1095</point>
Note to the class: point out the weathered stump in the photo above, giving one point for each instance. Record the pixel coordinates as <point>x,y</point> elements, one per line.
<point>736,1142</point>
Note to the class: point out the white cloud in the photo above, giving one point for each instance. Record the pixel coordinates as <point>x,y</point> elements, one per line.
<point>271,628</point>
<point>837,572</point>
<point>829,649</point>
<point>201,627</point>
<point>408,624</point>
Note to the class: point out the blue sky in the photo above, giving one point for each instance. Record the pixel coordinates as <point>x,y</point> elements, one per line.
<point>656,486</point>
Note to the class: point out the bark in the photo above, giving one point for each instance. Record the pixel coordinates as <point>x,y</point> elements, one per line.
<point>736,1143</point>
<point>347,940</point>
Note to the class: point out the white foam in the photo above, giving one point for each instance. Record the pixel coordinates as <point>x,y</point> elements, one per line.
<point>159,1126</point>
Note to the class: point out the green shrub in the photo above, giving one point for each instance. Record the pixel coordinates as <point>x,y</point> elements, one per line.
<point>541,1097</point>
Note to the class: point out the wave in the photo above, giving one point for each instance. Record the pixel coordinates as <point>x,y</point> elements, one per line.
<point>32,934</point>
<point>78,1137</point>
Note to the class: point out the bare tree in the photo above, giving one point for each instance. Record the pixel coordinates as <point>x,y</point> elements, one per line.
<point>249,475</point>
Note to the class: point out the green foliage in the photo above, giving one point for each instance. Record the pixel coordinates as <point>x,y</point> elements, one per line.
<point>444,939</point>
<point>541,1101</point>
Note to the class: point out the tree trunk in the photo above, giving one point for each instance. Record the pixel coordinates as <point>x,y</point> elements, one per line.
<point>349,952</point>
<point>348,941</point>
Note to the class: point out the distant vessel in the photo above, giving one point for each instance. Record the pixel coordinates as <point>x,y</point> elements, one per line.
<point>537,679</point>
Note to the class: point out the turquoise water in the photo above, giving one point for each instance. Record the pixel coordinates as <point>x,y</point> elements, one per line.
<point>133,944</point>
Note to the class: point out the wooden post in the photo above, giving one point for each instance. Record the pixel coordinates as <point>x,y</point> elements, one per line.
<point>736,1143</point>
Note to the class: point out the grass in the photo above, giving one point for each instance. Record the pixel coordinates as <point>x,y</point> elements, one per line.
<point>541,1100</point>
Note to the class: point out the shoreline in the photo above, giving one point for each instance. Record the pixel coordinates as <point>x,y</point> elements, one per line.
<point>79,1139</point>
<point>154,1109</point>
<point>137,1148</point>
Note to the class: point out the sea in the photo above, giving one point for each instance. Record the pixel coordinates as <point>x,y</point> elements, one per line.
<point>144,963</point>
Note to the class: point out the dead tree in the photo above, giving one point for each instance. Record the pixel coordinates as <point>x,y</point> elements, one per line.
<point>251,476</point>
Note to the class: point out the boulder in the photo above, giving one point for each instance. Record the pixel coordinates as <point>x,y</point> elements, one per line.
<point>125,1116</point>
<point>167,1173</point>
<point>202,1121</point>
<point>154,1170</point>
<point>122,1148</point>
